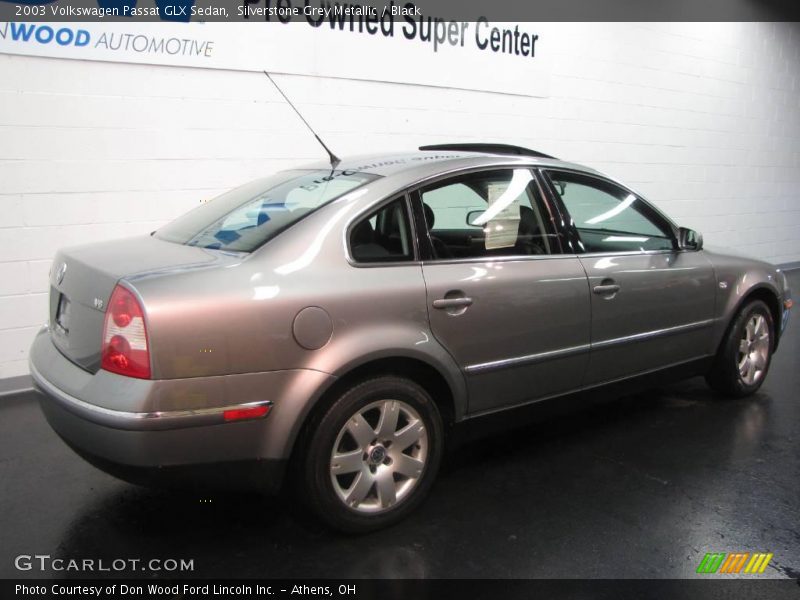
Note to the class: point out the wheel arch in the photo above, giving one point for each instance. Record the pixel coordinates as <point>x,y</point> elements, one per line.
<point>767,295</point>
<point>450,402</point>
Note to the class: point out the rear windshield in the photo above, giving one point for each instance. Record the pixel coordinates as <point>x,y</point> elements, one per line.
<point>246,217</point>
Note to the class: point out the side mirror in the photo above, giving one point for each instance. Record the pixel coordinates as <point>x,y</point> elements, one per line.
<point>689,239</point>
<point>473,216</point>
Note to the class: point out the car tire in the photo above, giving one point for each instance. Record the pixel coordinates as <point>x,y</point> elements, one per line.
<point>744,356</point>
<point>373,455</point>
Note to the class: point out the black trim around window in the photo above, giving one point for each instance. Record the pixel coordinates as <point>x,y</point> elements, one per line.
<point>421,233</point>
<point>568,236</point>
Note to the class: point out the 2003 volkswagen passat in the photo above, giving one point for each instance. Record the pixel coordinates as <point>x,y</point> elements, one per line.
<point>336,323</point>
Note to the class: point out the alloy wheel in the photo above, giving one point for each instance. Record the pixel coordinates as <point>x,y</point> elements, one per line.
<point>379,456</point>
<point>753,351</point>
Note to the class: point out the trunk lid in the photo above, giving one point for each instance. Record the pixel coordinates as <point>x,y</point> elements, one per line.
<point>83,277</point>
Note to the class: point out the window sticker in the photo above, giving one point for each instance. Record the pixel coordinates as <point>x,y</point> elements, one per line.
<point>501,229</point>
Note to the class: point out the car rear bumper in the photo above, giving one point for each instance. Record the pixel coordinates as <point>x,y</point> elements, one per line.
<point>137,421</point>
<point>173,432</point>
<point>193,457</point>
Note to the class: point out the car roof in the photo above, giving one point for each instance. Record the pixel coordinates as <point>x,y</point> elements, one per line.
<point>420,164</point>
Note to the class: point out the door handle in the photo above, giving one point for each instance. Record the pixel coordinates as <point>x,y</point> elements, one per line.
<point>605,289</point>
<point>445,303</point>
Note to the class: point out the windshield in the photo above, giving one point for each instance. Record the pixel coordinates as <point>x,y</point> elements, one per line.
<point>246,217</point>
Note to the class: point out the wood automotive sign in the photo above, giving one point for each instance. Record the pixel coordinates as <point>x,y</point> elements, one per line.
<point>307,38</point>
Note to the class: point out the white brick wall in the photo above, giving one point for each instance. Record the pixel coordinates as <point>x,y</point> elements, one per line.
<point>704,119</point>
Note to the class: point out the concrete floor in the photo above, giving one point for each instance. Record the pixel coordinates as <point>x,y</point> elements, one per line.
<point>639,488</point>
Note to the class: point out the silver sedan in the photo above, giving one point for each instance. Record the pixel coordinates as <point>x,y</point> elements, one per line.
<point>336,326</point>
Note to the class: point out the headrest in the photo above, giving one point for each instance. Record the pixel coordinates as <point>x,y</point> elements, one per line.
<point>430,217</point>
<point>362,233</point>
<point>527,220</point>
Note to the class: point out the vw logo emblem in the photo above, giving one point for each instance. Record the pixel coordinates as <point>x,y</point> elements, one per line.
<point>378,455</point>
<point>60,273</point>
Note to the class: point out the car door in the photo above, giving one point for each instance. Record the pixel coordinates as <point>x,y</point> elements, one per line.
<point>652,303</point>
<point>510,308</point>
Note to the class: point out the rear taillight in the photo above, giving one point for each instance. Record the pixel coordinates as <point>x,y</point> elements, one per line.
<point>125,348</point>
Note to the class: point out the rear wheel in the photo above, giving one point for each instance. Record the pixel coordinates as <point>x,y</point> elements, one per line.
<point>373,456</point>
<point>743,359</point>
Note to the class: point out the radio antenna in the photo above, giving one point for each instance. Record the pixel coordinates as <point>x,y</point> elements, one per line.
<point>334,159</point>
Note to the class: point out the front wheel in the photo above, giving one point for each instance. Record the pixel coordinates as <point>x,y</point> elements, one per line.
<point>744,356</point>
<point>373,456</point>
